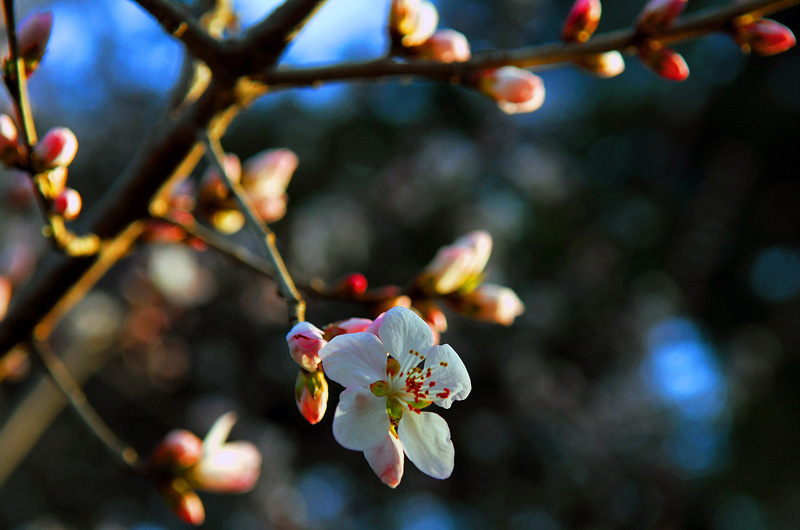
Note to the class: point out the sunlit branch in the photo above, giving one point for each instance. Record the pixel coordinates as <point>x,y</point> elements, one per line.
<point>230,249</point>
<point>17,83</point>
<point>687,28</point>
<point>178,22</point>
<point>77,399</point>
<point>266,237</point>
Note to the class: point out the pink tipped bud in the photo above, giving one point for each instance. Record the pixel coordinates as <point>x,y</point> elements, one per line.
<point>515,90</point>
<point>33,32</point>
<point>351,325</point>
<point>267,173</point>
<point>603,65</point>
<point>581,21</point>
<point>9,149</point>
<point>57,148</point>
<point>226,467</point>
<point>764,37</point>
<point>491,303</point>
<point>444,46</point>
<point>183,501</point>
<point>180,449</point>
<point>68,204</point>
<point>305,340</point>
<point>458,264</point>
<point>412,22</point>
<point>659,15</point>
<point>311,395</point>
<point>664,61</point>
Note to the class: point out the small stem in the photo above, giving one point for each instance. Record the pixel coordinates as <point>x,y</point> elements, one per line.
<point>58,372</point>
<point>231,250</point>
<point>286,287</point>
<point>19,88</point>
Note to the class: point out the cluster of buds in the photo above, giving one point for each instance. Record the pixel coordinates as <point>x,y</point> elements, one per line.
<point>456,276</point>
<point>581,23</point>
<point>656,17</point>
<point>182,463</point>
<point>412,28</point>
<point>763,36</point>
<point>263,177</point>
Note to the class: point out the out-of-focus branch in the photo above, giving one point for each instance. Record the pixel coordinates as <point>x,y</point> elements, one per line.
<point>18,80</point>
<point>266,237</point>
<point>71,389</point>
<point>178,22</point>
<point>230,249</point>
<point>686,28</point>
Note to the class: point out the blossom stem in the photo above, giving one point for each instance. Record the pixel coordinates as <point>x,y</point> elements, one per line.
<point>72,390</point>
<point>266,237</point>
<point>534,57</point>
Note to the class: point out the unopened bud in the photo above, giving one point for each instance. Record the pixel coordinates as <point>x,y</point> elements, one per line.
<point>353,285</point>
<point>444,46</point>
<point>764,37</point>
<point>226,467</point>
<point>664,61</point>
<point>305,340</point>
<point>457,264</point>
<point>311,395</point>
<point>68,204</point>
<point>351,325</point>
<point>412,22</point>
<point>659,15</point>
<point>33,32</point>
<point>57,148</point>
<point>9,149</point>
<point>515,90</point>
<point>183,501</point>
<point>267,173</point>
<point>581,21</point>
<point>180,449</point>
<point>491,303</point>
<point>603,65</point>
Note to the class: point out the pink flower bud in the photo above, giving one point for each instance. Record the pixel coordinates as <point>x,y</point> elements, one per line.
<point>444,46</point>
<point>68,204</point>
<point>180,449</point>
<point>515,90</point>
<point>33,32</point>
<point>57,148</point>
<point>305,340</point>
<point>659,15</point>
<point>603,65</point>
<point>267,173</point>
<point>457,264</point>
<point>9,149</point>
<point>183,501</point>
<point>311,395</point>
<point>226,467</point>
<point>764,37</point>
<point>491,303</point>
<point>412,22</point>
<point>664,61</point>
<point>581,21</point>
<point>351,325</point>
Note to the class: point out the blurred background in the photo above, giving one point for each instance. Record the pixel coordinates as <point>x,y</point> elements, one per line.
<point>651,228</point>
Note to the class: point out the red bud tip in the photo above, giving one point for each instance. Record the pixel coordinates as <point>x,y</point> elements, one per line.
<point>581,21</point>
<point>664,61</point>
<point>68,204</point>
<point>57,148</point>
<point>764,37</point>
<point>659,15</point>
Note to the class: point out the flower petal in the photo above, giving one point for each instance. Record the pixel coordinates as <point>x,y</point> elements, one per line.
<point>426,440</point>
<point>360,421</point>
<point>452,379</point>
<point>354,359</point>
<point>402,332</point>
<point>219,432</point>
<point>387,461</point>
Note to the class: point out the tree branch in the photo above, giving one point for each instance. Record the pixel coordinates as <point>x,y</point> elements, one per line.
<point>178,22</point>
<point>688,27</point>
<point>266,237</point>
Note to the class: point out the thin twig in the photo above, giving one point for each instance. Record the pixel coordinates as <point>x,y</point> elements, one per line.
<point>688,27</point>
<point>17,83</point>
<point>230,249</point>
<point>77,399</point>
<point>266,237</point>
